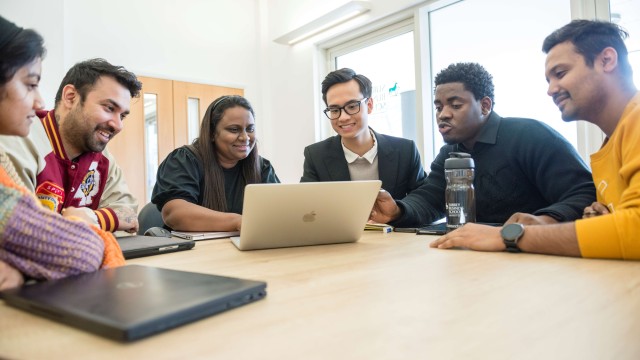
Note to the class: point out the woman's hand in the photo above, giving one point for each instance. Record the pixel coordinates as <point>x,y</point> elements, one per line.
<point>9,276</point>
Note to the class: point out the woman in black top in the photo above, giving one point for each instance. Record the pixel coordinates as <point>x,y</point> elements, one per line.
<point>200,187</point>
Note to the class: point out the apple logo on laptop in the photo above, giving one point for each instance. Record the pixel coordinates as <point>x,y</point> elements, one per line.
<point>309,217</point>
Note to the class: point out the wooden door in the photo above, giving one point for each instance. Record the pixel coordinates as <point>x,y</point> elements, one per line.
<point>128,147</point>
<point>205,94</point>
<point>167,99</point>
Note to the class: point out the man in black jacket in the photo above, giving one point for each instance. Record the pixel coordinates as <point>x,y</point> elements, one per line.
<point>358,152</point>
<point>522,166</point>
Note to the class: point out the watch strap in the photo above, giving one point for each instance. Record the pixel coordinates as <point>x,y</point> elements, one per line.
<point>512,246</point>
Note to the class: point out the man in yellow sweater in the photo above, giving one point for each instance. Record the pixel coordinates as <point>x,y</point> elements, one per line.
<point>590,79</point>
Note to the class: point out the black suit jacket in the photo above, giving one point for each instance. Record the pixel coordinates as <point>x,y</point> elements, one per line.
<point>399,164</point>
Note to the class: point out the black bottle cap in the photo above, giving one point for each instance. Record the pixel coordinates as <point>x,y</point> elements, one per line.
<point>459,160</point>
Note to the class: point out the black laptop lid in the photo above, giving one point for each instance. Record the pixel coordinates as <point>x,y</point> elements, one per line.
<point>138,245</point>
<point>134,301</point>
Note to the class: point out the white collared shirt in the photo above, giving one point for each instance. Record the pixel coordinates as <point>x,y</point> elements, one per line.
<point>370,155</point>
<point>363,167</point>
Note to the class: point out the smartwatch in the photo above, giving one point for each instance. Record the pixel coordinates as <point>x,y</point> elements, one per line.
<point>510,235</point>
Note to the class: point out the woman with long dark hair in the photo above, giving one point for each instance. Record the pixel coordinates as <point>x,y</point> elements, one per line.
<point>34,242</point>
<point>200,187</point>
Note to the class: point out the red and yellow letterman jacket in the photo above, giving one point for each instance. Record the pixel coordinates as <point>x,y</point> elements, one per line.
<point>92,180</point>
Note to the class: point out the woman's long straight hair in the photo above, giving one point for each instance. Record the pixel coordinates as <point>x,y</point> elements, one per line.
<point>204,147</point>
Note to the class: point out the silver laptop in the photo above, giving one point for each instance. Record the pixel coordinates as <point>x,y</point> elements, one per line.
<point>283,215</point>
<point>132,302</point>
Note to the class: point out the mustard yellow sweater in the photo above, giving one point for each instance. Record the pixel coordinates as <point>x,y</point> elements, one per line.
<point>616,175</point>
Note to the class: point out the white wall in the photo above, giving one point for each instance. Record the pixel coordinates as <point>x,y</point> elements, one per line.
<point>209,41</point>
<point>205,41</point>
<point>44,17</point>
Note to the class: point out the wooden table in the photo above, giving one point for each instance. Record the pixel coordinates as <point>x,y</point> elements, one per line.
<point>384,297</point>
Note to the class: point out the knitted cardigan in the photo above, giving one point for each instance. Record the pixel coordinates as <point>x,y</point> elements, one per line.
<point>42,244</point>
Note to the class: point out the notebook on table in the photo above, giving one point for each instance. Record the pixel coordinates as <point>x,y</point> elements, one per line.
<point>197,235</point>
<point>441,228</point>
<point>132,302</point>
<point>138,245</point>
<point>315,213</point>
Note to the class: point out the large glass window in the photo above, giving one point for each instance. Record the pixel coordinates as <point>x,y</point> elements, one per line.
<point>626,13</point>
<point>506,38</point>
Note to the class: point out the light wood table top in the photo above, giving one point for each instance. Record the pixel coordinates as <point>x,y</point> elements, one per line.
<point>388,296</point>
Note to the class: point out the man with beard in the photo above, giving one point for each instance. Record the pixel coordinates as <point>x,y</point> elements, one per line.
<point>524,170</point>
<point>64,160</point>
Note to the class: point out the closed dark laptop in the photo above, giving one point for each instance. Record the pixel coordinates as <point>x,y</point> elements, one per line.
<point>131,302</point>
<point>137,245</point>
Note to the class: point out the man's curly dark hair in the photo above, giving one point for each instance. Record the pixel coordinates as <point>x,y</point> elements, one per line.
<point>473,76</point>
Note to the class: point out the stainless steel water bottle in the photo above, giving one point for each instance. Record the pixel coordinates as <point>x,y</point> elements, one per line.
<point>460,196</point>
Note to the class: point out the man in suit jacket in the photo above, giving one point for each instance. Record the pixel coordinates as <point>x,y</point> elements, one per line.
<point>358,152</point>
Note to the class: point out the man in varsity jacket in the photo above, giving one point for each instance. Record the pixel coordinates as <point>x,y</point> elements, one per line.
<point>64,159</point>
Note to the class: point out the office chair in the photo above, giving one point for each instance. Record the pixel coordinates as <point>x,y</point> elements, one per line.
<point>149,217</point>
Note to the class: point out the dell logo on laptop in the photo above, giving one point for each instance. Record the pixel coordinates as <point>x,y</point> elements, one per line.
<point>129,285</point>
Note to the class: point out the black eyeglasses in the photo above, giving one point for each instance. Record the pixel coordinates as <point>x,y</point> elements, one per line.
<point>350,108</point>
